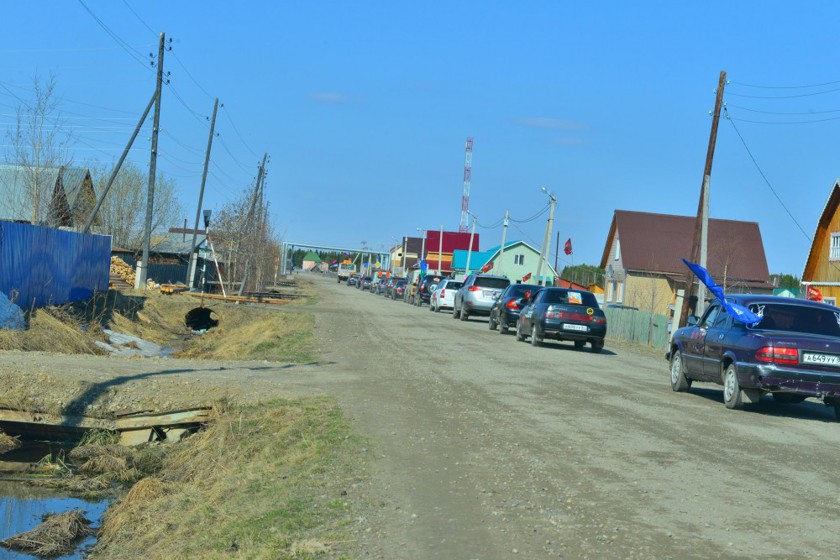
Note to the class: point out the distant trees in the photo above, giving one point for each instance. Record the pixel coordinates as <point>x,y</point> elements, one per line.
<point>785,281</point>
<point>583,274</point>
<point>38,140</point>
<point>123,212</point>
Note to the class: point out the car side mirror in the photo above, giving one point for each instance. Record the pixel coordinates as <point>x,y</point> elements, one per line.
<point>691,321</point>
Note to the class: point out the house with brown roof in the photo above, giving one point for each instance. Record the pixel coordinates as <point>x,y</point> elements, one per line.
<point>643,250</point>
<point>822,268</point>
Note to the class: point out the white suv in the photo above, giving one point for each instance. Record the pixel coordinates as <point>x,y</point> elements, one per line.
<point>444,294</point>
<point>477,295</point>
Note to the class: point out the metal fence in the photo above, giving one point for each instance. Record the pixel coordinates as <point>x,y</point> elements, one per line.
<point>639,327</point>
<point>42,266</point>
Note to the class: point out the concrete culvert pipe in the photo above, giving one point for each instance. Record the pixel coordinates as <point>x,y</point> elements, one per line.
<point>201,319</point>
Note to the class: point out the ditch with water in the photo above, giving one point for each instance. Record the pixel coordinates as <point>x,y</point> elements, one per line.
<point>23,506</point>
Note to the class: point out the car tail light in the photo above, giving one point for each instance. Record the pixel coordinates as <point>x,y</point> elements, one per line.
<point>511,304</point>
<point>778,355</point>
<point>442,293</point>
<point>472,289</point>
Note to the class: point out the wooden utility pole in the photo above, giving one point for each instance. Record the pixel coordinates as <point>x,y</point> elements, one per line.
<point>193,254</point>
<point>701,205</point>
<point>250,217</point>
<point>143,266</point>
<point>117,167</point>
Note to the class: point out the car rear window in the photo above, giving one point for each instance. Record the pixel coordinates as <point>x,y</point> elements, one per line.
<point>572,297</point>
<point>519,290</point>
<point>796,318</point>
<point>453,285</point>
<point>496,283</point>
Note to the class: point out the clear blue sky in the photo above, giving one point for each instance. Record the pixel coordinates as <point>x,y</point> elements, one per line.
<point>364,108</point>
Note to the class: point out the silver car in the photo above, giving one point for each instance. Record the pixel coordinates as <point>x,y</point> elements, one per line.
<point>477,295</point>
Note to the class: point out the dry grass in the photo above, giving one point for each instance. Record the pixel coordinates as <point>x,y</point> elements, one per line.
<point>7,442</point>
<point>246,332</point>
<point>265,481</point>
<point>57,535</point>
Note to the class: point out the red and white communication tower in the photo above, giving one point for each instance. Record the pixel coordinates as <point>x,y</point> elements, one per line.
<point>464,224</point>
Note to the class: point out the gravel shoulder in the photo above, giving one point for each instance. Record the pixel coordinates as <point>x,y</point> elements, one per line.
<point>483,448</point>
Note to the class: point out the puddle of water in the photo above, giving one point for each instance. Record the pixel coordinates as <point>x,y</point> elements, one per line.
<point>22,507</point>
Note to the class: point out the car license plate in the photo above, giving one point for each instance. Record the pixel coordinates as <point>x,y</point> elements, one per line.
<point>823,359</point>
<point>568,327</point>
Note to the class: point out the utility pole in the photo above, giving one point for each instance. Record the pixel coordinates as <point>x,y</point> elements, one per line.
<point>469,249</point>
<point>193,252</point>
<point>116,170</point>
<point>440,247</point>
<point>556,250</point>
<point>546,237</point>
<point>502,246</point>
<point>143,266</point>
<point>701,205</point>
<point>250,217</point>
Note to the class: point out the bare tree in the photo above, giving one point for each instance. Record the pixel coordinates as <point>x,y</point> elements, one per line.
<point>123,211</point>
<point>39,144</point>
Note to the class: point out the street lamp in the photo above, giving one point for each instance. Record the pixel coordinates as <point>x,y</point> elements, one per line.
<point>547,238</point>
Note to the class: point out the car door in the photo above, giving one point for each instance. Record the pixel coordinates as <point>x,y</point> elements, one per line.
<point>714,344</point>
<point>694,346</point>
<point>527,315</point>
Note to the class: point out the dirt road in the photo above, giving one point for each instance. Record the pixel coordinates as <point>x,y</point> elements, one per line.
<point>488,448</point>
<point>482,447</point>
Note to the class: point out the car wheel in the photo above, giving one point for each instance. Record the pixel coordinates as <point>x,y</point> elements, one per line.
<point>491,324</point>
<point>597,346</point>
<point>464,315</point>
<point>788,398</point>
<point>519,336</point>
<point>732,389</point>
<point>503,326</point>
<point>679,382</point>
<point>535,341</point>
<point>579,344</point>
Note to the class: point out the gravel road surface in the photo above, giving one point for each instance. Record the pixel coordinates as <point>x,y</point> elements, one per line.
<point>482,447</point>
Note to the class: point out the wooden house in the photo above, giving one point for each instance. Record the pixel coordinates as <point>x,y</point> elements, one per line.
<point>643,251</point>
<point>822,268</point>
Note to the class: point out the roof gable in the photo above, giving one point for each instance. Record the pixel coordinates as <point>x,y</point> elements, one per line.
<point>828,213</point>
<point>657,243</point>
<point>312,256</point>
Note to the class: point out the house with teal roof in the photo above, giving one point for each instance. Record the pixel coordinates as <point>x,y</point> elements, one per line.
<point>519,262</point>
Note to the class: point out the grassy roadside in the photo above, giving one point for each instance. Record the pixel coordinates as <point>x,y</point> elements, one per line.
<point>273,480</point>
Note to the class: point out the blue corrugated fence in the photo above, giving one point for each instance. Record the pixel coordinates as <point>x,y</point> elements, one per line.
<point>46,266</point>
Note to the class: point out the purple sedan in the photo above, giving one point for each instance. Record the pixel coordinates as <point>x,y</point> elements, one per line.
<point>793,352</point>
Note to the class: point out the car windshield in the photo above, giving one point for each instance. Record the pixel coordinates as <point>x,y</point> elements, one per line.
<point>497,283</point>
<point>570,297</point>
<point>796,318</point>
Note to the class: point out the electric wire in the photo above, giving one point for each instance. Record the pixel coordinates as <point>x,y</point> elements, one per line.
<point>127,5</point>
<point>791,96</point>
<point>783,113</point>
<point>534,217</point>
<point>763,176</point>
<point>236,130</point>
<point>136,55</point>
<point>804,86</point>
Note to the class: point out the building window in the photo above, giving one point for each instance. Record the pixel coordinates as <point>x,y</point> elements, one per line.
<point>617,249</point>
<point>518,259</point>
<point>834,255</point>
<point>619,296</point>
<point>830,301</point>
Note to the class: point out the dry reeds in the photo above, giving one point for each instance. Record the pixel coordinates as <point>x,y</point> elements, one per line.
<point>56,536</point>
<point>124,513</point>
<point>7,442</point>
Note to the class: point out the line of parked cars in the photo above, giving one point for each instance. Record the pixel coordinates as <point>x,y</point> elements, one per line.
<point>534,312</point>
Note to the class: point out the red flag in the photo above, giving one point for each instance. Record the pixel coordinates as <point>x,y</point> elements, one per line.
<point>487,266</point>
<point>568,247</point>
<point>526,277</point>
<point>813,293</point>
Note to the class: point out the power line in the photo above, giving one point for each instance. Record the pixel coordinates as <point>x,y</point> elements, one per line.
<point>763,176</point>
<point>785,113</point>
<point>236,130</point>
<point>127,5</point>
<point>791,96</point>
<point>804,86</point>
<point>534,217</point>
<point>136,55</point>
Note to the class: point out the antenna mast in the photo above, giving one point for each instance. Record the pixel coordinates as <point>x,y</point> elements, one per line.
<point>463,225</point>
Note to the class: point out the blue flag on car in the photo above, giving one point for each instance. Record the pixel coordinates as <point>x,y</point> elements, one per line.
<point>738,312</point>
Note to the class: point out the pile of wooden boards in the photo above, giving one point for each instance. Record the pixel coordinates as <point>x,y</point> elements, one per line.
<point>121,270</point>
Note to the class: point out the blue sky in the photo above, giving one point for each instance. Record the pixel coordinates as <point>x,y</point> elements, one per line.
<point>364,108</point>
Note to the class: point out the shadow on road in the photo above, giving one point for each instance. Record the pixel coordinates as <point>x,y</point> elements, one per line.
<point>807,410</point>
